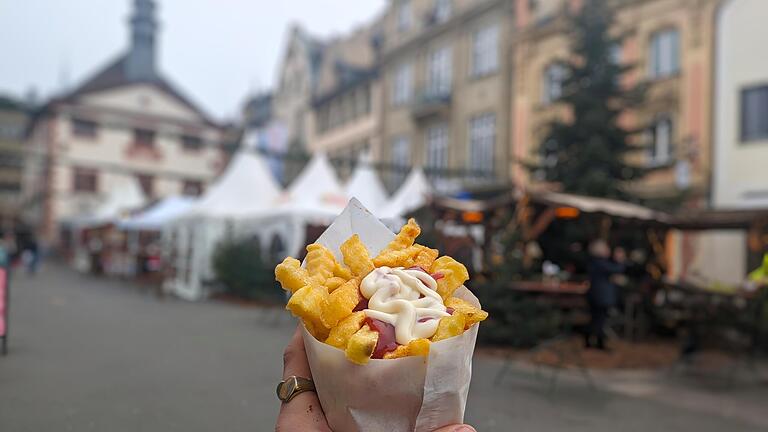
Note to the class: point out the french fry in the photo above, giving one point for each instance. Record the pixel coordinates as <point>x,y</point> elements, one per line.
<point>341,302</point>
<point>342,272</point>
<point>405,237</point>
<point>308,304</point>
<point>356,256</point>
<point>449,327</point>
<point>361,345</point>
<point>339,335</point>
<point>416,347</point>
<point>319,262</point>
<point>471,314</point>
<point>291,276</point>
<point>397,258</point>
<point>426,257</point>
<point>334,282</point>
<point>454,274</point>
<point>318,332</point>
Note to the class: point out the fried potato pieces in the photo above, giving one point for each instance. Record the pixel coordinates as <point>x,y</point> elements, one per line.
<point>291,276</point>
<point>326,293</point>
<point>356,256</point>
<point>341,302</point>
<point>361,345</point>
<point>453,275</point>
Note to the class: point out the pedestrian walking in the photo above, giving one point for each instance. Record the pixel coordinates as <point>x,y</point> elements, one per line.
<point>603,293</point>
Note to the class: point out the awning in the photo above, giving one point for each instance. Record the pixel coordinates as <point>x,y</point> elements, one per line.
<point>585,204</point>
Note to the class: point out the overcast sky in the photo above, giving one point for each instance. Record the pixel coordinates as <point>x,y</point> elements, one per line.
<point>217,51</point>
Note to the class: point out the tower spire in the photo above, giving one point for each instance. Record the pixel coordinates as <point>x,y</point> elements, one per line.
<point>140,62</point>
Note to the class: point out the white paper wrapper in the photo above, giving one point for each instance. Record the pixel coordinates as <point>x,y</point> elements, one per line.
<point>406,394</point>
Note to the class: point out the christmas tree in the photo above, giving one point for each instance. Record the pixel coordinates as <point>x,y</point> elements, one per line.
<point>587,153</point>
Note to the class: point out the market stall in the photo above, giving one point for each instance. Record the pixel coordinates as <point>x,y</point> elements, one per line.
<point>143,233</point>
<point>245,188</point>
<point>413,194</point>
<point>365,185</point>
<point>98,246</point>
<point>299,214</point>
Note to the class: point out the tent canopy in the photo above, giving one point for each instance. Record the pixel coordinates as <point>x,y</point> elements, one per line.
<point>246,187</point>
<point>155,217</point>
<point>366,186</point>
<point>412,195</point>
<point>585,204</point>
<point>315,192</point>
<point>125,195</point>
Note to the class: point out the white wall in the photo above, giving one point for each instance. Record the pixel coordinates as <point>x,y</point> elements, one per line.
<point>741,60</point>
<point>740,170</point>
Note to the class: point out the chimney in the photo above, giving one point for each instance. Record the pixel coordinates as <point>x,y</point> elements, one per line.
<point>140,62</point>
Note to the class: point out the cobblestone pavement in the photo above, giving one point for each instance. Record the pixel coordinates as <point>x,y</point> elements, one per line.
<point>91,354</point>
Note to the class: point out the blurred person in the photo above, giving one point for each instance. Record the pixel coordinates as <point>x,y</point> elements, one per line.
<point>303,412</point>
<point>32,256</point>
<point>602,294</point>
<point>9,247</point>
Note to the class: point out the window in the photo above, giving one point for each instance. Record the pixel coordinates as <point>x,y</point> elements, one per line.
<point>482,135</point>
<point>401,86</point>
<point>437,146</point>
<point>754,113</point>
<point>664,54</point>
<point>84,128</point>
<point>439,72</point>
<point>485,51</point>
<point>554,77</point>
<point>144,138</point>
<point>85,180</point>
<point>147,183</point>
<point>404,15</point>
<point>401,159</point>
<point>443,9</point>
<point>192,188</point>
<point>661,133</point>
<point>191,143</point>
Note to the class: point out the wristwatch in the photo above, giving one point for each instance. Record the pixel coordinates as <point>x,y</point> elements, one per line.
<point>292,386</point>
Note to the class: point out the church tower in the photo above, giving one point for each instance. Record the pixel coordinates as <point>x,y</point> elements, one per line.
<point>140,62</point>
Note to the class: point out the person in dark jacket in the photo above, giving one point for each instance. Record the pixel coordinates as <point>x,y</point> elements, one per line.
<point>602,294</point>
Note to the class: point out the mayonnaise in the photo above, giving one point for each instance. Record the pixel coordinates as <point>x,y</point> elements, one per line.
<point>406,299</point>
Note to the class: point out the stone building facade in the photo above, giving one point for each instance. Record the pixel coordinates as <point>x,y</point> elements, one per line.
<point>127,120</point>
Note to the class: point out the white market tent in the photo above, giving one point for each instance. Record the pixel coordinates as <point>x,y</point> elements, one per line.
<point>366,186</point>
<point>412,195</point>
<point>125,195</point>
<point>314,198</point>
<point>246,187</point>
<point>158,215</point>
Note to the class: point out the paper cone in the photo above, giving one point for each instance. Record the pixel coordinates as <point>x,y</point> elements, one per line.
<point>406,394</point>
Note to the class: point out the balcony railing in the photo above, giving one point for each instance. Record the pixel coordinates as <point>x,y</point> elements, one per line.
<point>431,102</point>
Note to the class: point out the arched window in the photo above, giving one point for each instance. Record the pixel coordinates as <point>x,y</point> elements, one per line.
<point>553,79</point>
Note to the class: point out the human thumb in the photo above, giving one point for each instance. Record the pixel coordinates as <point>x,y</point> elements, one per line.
<point>456,428</point>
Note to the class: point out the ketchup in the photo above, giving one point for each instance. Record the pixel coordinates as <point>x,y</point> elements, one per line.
<point>362,304</point>
<point>417,268</point>
<point>386,342</point>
